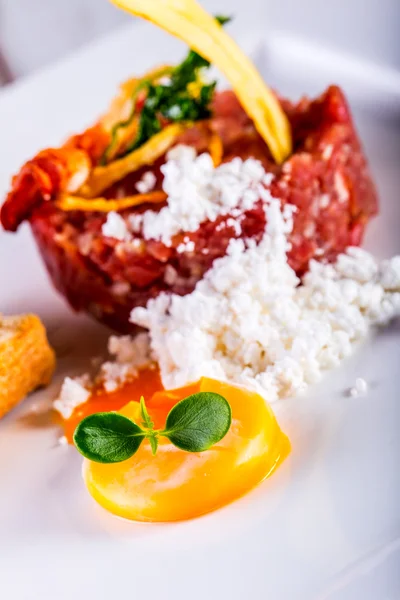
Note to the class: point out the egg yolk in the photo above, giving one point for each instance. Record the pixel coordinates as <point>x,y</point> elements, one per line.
<point>146,384</point>
<point>175,485</point>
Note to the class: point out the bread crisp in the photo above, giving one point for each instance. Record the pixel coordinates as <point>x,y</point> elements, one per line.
<point>26,359</point>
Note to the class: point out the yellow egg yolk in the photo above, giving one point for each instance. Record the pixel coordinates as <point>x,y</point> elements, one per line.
<point>175,485</point>
<point>146,384</point>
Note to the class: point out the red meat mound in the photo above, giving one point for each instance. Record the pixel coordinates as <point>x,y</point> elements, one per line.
<point>326,178</point>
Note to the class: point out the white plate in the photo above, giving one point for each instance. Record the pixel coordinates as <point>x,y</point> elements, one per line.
<point>326,525</point>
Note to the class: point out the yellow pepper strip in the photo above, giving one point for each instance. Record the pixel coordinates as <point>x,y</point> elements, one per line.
<point>67,202</point>
<point>216,149</point>
<point>188,21</point>
<point>102,178</point>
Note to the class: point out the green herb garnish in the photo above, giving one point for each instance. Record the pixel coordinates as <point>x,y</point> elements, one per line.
<point>122,124</point>
<point>198,422</point>
<point>173,100</point>
<point>108,437</point>
<point>193,424</point>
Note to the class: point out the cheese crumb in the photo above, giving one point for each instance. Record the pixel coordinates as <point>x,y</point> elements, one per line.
<point>146,183</point>
<point>73,394</point>
<point>390,274</point>
<point>115,227</point>
<point>129,355</point>
<point>360,388</point>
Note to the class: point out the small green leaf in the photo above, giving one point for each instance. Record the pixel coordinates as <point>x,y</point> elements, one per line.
<point>153,439</point>
<point>108,437</point>
<point>172,101</point>
<point>223,19</point>
<point>198,422</point>
<point>147,422</point>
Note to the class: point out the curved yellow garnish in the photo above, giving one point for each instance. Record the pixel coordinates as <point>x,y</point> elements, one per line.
<point>67,203</point>
<point>188,21</point>
<point>102,178</point>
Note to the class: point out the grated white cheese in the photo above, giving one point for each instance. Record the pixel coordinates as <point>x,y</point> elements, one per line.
<point>146,183</point>
<point>360,388</point>
<point>129,355</point>
<point>250,322</point>
<point>73,393</point>
<point>390,274</point>
<point>235,226</point>
<point>182,153</point>
<point>115,227</point>
<point>198,192</point>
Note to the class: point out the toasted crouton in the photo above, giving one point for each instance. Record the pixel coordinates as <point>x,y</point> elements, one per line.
<point>26,359</point>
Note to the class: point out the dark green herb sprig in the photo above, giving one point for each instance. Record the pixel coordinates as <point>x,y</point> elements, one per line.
<point>172,101</point>
<point>193,424</point>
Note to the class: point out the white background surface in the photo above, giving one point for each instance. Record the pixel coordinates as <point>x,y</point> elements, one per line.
<point>36,32</point>
<point>326,526</point>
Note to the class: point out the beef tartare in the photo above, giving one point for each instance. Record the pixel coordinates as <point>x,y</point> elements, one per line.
<point>88,202</point>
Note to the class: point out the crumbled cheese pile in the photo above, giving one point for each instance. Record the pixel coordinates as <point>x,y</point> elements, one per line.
<point>198,192</point>
<point>128,355</point>
<point>249,321</point>
<point>73,393</point>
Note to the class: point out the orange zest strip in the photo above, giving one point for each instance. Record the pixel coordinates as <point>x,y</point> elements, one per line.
<point>102,178</point>
<point>67,202</point>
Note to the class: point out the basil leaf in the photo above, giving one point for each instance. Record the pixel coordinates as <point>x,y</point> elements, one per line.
<point>108,437</point>
<point>198,422</point>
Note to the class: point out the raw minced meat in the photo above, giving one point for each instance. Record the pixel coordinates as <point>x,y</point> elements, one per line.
<point>326,179</point>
